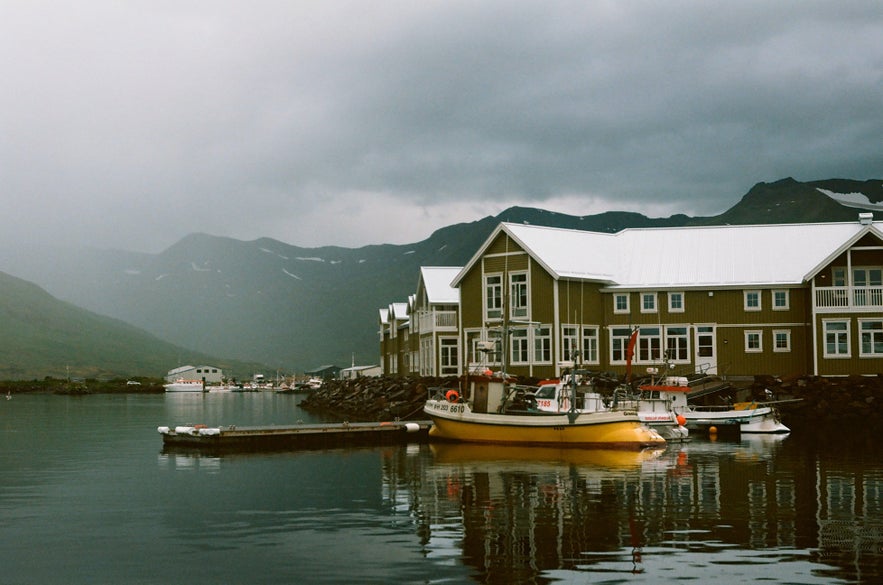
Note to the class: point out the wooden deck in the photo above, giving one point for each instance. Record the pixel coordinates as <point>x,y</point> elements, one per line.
<point>286,438</point>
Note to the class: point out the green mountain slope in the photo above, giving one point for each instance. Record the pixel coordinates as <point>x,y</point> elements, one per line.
<point>43,336</point>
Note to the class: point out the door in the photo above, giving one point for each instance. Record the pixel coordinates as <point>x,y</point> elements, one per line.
<point>706,351</point>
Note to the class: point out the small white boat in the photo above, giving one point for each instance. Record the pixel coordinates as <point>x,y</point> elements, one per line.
<point>182,385</point>
<point>746,417</point>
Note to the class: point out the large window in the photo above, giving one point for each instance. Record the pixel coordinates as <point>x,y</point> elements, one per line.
<point>677,343</point>
<point>448,352</point>
<point>493,296</point>
<point>836,339</point>
<point>519,298</point>
<point>590,345</point>
<point>649,345</point>
<point>619,343</point>
<point>868,284</point>
<point>569,341</point>
<point>753,341</point>
<point>519,347</point>
<point>542,345</point>
<point>871,335</point>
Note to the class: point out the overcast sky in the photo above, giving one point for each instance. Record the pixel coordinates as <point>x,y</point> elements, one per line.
<point>130,124</point>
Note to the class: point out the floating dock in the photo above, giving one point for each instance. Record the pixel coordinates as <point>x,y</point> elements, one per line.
<point>302,436</point>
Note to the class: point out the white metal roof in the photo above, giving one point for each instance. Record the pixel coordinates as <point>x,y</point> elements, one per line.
<point>437,281</point>
<point>786,254</point>
<point>398,311</point>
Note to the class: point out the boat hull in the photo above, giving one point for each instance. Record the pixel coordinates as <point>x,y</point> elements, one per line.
<point>615,429</point>
<point>758,420</point>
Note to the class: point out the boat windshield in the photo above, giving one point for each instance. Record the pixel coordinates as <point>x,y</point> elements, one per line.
<point>547,391</point>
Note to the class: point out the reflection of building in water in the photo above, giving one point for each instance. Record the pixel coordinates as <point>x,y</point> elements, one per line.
<point>514,513</point>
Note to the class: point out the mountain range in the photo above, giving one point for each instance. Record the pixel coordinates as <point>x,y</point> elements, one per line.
<point>287,307</point>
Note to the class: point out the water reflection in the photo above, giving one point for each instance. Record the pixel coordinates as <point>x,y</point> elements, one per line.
<point>750,509</point>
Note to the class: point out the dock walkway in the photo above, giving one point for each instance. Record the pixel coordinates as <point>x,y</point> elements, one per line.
<point>302,436</point>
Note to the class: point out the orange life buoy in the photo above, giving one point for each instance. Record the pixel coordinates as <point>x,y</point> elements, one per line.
<point>452,396</point>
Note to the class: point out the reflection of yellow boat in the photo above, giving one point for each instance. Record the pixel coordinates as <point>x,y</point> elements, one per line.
<point>610,458</point>
<point>492,414</point>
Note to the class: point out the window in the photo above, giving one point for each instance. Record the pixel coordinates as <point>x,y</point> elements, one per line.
<point>493,296</point>
<point>473,336</point>
<point>752,300</point>
<point>519,297</point>
<point>781,340</point>
<point>781,300</point>
<point>836,339</point>
<point>677,344</point>
<point>871,335</point>
<point>448,352</point>
<point>621,303</point>
<point>753,341</point>
<point>569,341</point>
<point>649,345</point>
<point>705,341</point>
<point>518,342</point>
<point>542,345</point>
<point>648,302</point>
<point>868,283</point>
<point>838,276</point>
<point>675,302</point>
<point>590,345</point>
<point>619,343</point>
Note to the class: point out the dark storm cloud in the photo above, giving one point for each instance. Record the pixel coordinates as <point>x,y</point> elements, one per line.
<point>132,124</point>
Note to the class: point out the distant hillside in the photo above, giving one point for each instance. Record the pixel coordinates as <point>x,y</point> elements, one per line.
<point>42,336</point>
<point>298,308</point>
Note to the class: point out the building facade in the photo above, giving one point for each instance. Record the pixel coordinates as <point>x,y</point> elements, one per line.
<point>736,301</point>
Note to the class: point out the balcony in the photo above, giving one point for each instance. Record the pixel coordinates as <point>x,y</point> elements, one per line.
<point>839,299</point>
<point>430,321</point>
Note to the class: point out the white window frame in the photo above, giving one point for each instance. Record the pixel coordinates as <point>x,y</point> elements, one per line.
<point>448,356</point>
<point>542,345</point>
<point>519,308</point>
<point>649,307</point>
<point>495,312</point>
<point>749,334</point>
<point>685,337</point>
<point>645,350</point>
<point>787,304</point>
<point>619,343</point>
<point>591,345</point>
<point>569,341</point>
<point>873,333</point>
<point>747,295</point>
<point>786,333</point>
<point>671,296</point>
<point>519,346</point>
<point>845,333</point>
<point>616,309</point>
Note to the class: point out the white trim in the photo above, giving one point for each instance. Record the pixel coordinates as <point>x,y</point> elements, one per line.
<point>643,295</point>
<point>787,348</point>
<point>682,308</point>
<point>787,294</point>
<point>617,311</point>
<point>848,333</point>
<point>750,332</point>
<point>745,295</point>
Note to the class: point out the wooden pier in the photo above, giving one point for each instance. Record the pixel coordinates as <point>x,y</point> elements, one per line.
<point>302,436</point>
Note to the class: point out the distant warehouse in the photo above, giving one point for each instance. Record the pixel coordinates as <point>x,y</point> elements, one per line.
<point>211,374</point>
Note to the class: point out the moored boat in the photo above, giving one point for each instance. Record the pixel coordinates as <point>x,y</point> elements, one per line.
<point>489,409</point>
<point>182,385</point>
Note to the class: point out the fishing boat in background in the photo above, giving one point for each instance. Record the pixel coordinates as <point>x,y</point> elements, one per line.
<point>492,409</point>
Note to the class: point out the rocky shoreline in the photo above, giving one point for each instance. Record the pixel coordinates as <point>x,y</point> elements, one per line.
<point>855,400</point>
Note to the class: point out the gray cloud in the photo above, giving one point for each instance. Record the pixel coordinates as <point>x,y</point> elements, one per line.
<point>132,124</point>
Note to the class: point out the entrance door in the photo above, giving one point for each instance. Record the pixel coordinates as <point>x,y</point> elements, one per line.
<point>706,351</point>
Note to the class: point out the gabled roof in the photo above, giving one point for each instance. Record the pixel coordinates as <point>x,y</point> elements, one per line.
<point>398,311</point>
<point>437,282</point>
<point>785,254</point>
<point>384,316</point>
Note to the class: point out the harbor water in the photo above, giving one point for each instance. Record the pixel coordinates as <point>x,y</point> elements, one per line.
<point>88,495</point>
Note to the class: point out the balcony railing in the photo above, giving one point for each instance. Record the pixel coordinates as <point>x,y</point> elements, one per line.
<point>835,298</point>
<point>438,321</point>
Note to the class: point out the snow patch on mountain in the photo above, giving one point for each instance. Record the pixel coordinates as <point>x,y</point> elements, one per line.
<point>856,200</point>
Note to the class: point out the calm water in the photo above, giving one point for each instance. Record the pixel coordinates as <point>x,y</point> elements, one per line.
<point>88,496</point>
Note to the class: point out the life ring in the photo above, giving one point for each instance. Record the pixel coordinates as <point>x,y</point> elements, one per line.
<point>452,396</point>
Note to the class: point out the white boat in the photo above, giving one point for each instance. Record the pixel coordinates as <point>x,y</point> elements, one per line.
<point>489,409</point>
<point>746,417</point>
<point>182,385</point>
<point>654,411</point>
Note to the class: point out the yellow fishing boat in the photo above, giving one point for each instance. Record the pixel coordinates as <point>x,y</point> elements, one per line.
<point>489,409</point>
